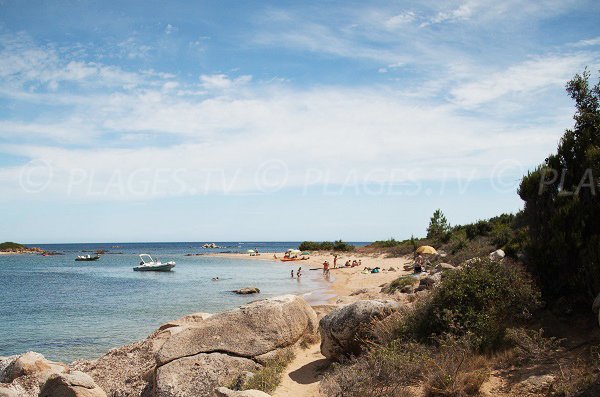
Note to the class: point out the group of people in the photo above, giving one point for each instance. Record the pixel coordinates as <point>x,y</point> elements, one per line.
<point>298,272</point>
<point>326,264</point>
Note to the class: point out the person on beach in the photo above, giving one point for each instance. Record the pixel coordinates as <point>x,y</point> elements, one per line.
<point>326,268</point>
<point>335,261</point>
<point>292,273</point>
<point>347,264</point>
<point>419,262</point>
<point>275,256</point>
<point>299,272</point>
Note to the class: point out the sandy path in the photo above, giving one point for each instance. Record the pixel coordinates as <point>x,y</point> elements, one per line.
<point>302,375</point>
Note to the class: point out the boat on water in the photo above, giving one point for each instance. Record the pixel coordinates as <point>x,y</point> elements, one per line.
<point>87,258</point>
<point>148,264</point>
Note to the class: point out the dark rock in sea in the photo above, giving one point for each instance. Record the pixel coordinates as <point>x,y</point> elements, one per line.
<point>247,291</point>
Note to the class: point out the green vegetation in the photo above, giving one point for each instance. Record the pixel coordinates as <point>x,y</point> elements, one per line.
<point>337,245</point>
<point>439,228</point>
<point>398,284</point>
<point>562,209</point>
<point>476,318</point>
<point>10,246</point>
<point>480,300</point>
<point>269,376</point>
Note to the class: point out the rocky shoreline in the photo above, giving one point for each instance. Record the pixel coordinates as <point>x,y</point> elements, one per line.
<point>202,354</point>
<point>191,356</point>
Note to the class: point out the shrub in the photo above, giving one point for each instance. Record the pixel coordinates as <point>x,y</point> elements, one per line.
<point>269,376</point>
<point>529,346</point>
<point>456,370</point>
<point>385,371</point>
<point>481,300</point>
<point>337,245</point>
<point>385,243</point>
<point>398,284</point>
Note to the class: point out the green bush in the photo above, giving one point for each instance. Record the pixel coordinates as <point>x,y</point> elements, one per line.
<point>562,209</point>
<point>398,284</point>
<point>386,243</point>
<point>482,299</point>
<point>337,245</point>
<point>11,246</point>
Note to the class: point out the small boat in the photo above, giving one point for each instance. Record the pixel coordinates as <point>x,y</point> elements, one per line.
<point>148,264</point>
<point>87,258</point>
<point>290,259</point>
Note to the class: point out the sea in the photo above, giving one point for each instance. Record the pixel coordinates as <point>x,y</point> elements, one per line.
<point>70,310</point>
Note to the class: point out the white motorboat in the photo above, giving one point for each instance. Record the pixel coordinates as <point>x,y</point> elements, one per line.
<point>148,264</point>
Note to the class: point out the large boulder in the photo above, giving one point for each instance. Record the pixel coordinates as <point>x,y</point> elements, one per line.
<point>252,330</point>
<point>73,384</point>
<point>190,319</point>
<point>342,329</point>
<point>199,375</point>
<point>497,255</point>
<point>30,364</point>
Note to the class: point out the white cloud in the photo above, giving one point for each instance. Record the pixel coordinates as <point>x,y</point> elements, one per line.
<point>399,20</point>
<point>524,78</point>
<point>587,42</point>
<point>222,81</point>
<point>169,29</point>
<point>461,13</point>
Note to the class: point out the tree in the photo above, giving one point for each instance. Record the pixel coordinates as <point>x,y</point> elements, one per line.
<point>438,228</point>
<point>562,207</point>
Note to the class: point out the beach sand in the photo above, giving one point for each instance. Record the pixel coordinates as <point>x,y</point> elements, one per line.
<point>346,285</point>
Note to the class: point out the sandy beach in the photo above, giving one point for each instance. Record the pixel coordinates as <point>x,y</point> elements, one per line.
<point>343,281</point>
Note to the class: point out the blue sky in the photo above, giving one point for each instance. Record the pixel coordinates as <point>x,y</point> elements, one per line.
<point>201,121</point>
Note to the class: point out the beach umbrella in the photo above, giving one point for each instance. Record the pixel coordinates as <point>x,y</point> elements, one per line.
<point>250,251</point>
<point>306,253</point>
<point>426,249</point>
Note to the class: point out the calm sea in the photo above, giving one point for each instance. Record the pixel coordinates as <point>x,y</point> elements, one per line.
<point>70,310</point>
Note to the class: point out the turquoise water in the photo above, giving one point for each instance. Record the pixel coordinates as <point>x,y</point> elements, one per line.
<point>70,310</point>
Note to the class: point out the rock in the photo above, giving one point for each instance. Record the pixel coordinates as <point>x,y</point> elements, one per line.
<point>6,392</point>
<point>341,329</point>
<point>497,255</point>
<point>359,292</point>
<point>407,289</point>
<point>445,266</point>
<point>538,385</point>
<point>429,281</point>
<point>242,380</point>
<point>73,384</point>
<point>596,304</point>
<point>199,375</point>
<point>392,269</point>
<point>29,364</point>
<point>249,331</point>
<point>247,291</point>
<point>185,320</point>
<point>225,392</point>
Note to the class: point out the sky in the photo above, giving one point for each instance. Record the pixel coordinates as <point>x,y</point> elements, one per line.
<point>281,121</point>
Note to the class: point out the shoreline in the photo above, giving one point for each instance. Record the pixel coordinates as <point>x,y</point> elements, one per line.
<point>344,281</point>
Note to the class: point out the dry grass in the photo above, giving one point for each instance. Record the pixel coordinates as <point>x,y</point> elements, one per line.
<point>308,340</point>
<point>269,376</point>
<point>456,370</point>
